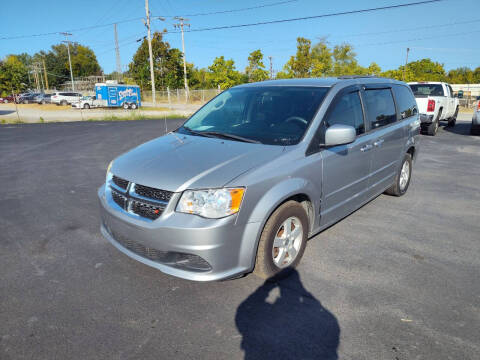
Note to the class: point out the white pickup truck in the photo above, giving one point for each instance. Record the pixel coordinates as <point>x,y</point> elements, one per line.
<point>435,102</point>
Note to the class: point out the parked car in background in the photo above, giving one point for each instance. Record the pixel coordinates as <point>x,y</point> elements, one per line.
<point>436,102</point>
<point>65,98</point>
<point>7,99</point>
<point>257,171</point>
<point>43,99</point>
<point>27,98</point>
<point>475,127</point>
<point>87,102</point>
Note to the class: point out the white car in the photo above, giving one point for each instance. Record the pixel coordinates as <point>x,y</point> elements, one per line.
<point>475,127</point>
<point>87,102</point>
<point>65,98</point>
<point>436,102</point>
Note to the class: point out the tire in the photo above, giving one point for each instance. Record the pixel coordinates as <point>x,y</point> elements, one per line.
<point>267,264</point>
<point>133,106</point>
<point>401,184</point>
<point>126,106</point>
<point>453,120</point>
<point>86,106</point>
<point>63,103</point>
<point>433,127</point>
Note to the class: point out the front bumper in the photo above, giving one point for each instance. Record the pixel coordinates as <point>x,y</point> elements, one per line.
<point>229,248</point>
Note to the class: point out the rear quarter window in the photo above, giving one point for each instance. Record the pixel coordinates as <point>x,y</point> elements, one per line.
<point>380,108</point>
<point>406,103</point>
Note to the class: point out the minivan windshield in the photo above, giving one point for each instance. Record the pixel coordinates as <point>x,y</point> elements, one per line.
<point>273,115</point>
<point>427,89</point>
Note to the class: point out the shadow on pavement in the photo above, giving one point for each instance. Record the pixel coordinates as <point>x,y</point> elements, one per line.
<point>6,112</point>
<point>282,320</point>
<point>462,128</point>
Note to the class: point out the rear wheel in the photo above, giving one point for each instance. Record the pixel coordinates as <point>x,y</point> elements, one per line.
<point>453,120</point>
<point>433,127</point>
<point>86,106</point>
<point>5,101</point>
<point>402,180</point>
<point>282,242</point>
<point>126,106</point>
<point>133,106</point>
<point>63,102</point>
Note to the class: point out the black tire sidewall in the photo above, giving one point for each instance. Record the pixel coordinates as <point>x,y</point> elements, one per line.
<point>278,218</point>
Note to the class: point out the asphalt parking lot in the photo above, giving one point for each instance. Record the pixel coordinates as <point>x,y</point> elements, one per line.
<point>398,279</point>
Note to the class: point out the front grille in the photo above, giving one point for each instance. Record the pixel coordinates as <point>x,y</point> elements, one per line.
<point>145,210</point>
<point>119,199</point>
<point>179,260</point>
<point>153,193</point>
<point>144,201</point>
<point>121,183</point>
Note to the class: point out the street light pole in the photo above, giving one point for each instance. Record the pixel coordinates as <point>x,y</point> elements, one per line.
<point>180,25</point>
<point>69,59</point>
<point>406,62</point>
<point>149,39</point>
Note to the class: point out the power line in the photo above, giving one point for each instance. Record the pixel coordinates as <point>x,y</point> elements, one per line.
<point>314,16</point>
<point>241,25</point>
<point>242,9</point>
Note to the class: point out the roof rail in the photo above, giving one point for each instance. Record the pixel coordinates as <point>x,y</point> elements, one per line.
<point>344,77</point>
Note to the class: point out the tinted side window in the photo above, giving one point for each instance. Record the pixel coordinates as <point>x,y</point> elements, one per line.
<point>64,94</point>
<point>407,105</point>
<point>380,107</point>
<point>347,110</point>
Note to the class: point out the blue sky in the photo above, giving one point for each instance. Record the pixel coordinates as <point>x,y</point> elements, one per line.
<point>447,31</point>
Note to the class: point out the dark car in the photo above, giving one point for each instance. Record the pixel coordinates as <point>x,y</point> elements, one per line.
<point>7,99</point>
<point>43,99</point>
<point>27,98</point>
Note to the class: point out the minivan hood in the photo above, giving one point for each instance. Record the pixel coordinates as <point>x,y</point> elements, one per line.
<point>176,162</point>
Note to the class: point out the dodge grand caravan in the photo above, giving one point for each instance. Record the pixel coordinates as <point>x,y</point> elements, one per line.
<point>258,170</point>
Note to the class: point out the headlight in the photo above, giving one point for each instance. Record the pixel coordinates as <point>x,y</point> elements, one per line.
<point>211,203</point>
<point>109,174</point>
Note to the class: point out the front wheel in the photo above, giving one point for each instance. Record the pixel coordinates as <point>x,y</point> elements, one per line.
<point>126,106</point>
<point>282,242</point>
<point>86,106</point>
<point>402,180</point>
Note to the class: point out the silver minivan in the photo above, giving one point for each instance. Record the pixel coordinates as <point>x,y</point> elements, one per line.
<point>257,171</point>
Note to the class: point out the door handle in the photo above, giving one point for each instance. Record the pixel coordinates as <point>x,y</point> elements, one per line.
<point>378,142</point>
<point>366,148</point>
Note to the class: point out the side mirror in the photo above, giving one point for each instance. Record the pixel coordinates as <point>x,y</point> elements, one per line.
<point>340,135</point>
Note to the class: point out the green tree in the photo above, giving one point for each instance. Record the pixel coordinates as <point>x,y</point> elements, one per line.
<point>222,72</point>
<point>255,70</point>
<point>300,65</point>
<point>167,64</point>
<point>13,75</point>
<point>322,64</point>
<point>345,61</point>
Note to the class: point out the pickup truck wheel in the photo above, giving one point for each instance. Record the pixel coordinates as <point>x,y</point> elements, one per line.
<point>402,180</point>
<point>86,106</point>
<point>433,127</point>
<point>453,120</point>
<point>282,242</point>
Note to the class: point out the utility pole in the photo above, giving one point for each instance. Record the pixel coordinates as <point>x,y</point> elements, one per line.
<point>117,53</point>
<point>406,62</point>
<point>45,73</point>
<point>271,67</point>
<point>149,38</point>
<point>69,59</point>
<point>180,25</point>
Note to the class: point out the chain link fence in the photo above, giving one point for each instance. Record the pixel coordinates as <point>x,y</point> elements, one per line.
<point>180,96</point>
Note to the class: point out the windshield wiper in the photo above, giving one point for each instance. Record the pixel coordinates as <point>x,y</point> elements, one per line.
<point>199,133</point>
<point>230,136</point>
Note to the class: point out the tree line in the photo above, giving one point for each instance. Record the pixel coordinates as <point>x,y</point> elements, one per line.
<point>310,60</point>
